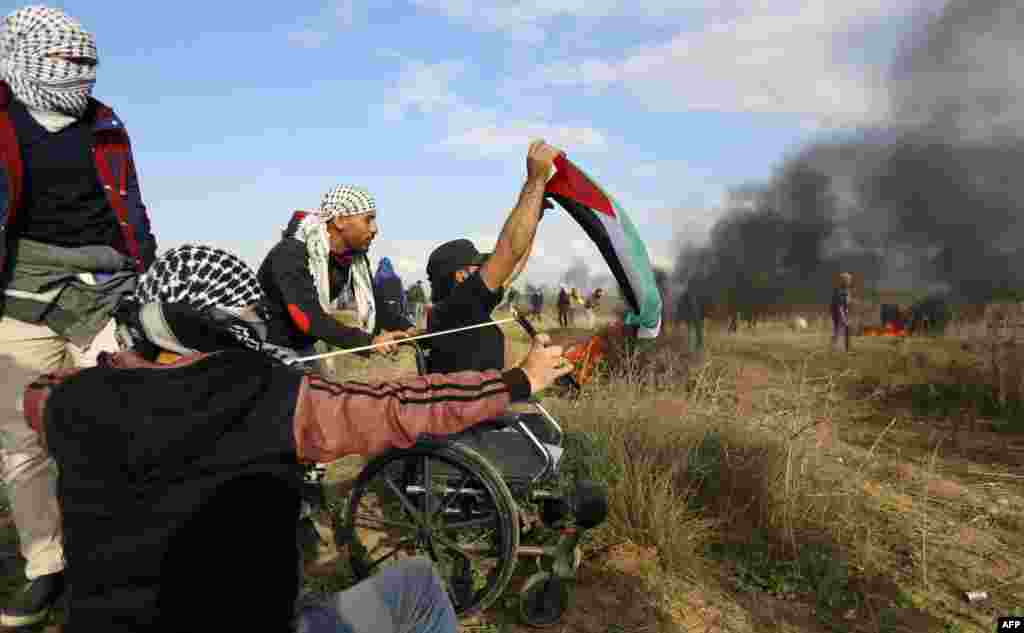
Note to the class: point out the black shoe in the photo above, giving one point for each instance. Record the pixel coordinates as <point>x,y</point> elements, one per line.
<point>33,603</point>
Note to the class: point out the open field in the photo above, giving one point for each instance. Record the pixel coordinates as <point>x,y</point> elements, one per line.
<point>777,486</point>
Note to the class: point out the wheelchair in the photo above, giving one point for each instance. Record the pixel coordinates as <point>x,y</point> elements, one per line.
<point>475,503</point>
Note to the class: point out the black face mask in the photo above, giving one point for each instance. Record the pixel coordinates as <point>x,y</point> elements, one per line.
<point>209,330</point>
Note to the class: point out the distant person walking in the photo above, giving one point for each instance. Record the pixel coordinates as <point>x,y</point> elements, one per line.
<point>691,310</point>
<point>537,304</point>
<point>563,307</point>
<point>389,294</point>
<point>416,299</point>
<point>591,305</point>
<point>575,305</point>
<point>841,312</point>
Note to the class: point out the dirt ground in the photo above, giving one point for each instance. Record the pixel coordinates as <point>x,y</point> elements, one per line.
<point>934,505</point>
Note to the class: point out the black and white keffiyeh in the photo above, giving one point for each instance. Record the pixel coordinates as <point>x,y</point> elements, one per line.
<point>48,60</point>
<point>209,280</point>
<point>344,200</point>
<point>202,276</point>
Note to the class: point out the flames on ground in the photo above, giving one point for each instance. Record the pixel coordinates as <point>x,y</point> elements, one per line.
<point>889,329</point>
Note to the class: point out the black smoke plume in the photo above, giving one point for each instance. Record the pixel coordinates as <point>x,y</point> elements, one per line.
<point>929,200</point>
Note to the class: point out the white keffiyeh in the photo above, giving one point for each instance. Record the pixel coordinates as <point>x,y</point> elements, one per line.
<point>340,201</point>
<point>28,43</point>
<point>206,277</point>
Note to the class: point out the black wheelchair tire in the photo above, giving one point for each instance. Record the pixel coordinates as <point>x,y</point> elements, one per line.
<point>470,460</point>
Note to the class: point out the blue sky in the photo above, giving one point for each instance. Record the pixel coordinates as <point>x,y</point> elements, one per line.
<point>241,112</point>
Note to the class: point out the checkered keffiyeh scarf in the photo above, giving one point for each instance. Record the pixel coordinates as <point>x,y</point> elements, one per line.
<point>344,200</point>
<point>48,84</point>
<point>206,277</point>
<point>202,276</point>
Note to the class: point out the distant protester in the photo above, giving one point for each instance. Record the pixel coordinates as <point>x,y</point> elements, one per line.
<point>564,306</point>
<point>841,313</point>
<point>389,296</point>
<point>416,300</point>
<point>590,307</point>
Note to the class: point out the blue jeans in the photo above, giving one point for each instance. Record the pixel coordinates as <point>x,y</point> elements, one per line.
<point>407,597</point>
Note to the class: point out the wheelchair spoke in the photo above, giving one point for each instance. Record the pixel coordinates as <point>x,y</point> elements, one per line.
<point>384,522</point>
<point>470,523</point>
<point>448,498</point>
<point>409,507</point>
<point>467,552</point>
<point>486,534</point>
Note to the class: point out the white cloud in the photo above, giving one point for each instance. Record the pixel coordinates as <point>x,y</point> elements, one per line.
<point>525,21</point>
<point>473,131</point>
<point>345,12</point>
<point>767,58</point>
<point>499,140</point>
<point>675,171</point>
<point>308,38</point>
<point>426,87</point>
<point>336,14</point>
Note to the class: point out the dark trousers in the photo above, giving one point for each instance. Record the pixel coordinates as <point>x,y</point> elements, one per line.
<point>840,331</point>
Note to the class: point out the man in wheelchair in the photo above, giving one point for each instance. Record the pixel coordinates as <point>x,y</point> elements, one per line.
<point>180,476</point>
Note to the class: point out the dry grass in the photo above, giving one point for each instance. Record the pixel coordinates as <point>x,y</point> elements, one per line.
<point>777,486</point>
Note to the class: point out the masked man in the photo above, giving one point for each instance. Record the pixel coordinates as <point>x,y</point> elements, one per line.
<point>74,234</point>
<point>180,476</point>
<point>466,285</point>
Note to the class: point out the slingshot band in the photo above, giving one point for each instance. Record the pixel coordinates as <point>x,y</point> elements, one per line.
<point>404,340</point>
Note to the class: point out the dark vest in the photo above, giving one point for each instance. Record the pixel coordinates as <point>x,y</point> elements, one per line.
<point>179,490</point>
<point>64,202</point>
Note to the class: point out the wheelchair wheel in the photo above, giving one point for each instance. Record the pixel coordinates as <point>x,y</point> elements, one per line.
<point>465,520</point>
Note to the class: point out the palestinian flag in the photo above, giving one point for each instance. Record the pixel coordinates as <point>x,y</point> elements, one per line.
<point>616,237</point>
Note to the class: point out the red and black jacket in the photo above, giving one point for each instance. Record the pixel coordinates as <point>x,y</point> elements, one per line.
<point>115,168</point>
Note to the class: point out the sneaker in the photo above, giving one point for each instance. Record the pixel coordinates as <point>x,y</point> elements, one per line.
<point>33,603</point>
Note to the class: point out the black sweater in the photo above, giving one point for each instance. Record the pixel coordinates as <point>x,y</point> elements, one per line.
<point>295,317</point>
<point>64,204</point>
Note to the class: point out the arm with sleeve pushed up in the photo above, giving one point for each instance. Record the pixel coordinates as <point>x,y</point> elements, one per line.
<point>290,274</point>
<point>354,418</point>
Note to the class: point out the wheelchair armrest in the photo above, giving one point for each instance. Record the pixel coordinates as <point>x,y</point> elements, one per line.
<point>496,424</point>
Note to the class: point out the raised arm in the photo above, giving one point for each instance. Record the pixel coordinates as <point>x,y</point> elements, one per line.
<point>516,238</point>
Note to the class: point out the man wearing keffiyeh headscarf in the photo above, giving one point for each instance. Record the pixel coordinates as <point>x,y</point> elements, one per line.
<point>321,255</point>
<point>74,235</point>
<point>49,61</point>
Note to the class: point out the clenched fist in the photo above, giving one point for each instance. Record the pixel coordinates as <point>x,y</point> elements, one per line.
<point>544,365</point>
<point>540,160</point>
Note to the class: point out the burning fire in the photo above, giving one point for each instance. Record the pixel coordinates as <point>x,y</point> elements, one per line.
<point>587,354</point>
<point>889,329</point>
